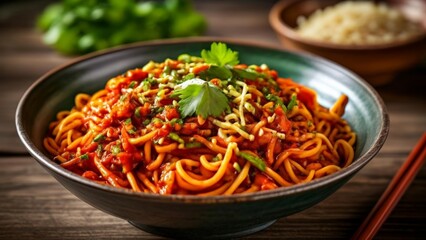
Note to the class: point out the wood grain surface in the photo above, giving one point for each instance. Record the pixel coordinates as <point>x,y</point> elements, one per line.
<point>34,206</point>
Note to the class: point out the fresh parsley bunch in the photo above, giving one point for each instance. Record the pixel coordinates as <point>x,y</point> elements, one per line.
<point>82,26</point>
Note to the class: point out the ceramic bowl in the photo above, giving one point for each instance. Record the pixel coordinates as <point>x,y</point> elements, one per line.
<point>193,216</point>
<point>376,63</point>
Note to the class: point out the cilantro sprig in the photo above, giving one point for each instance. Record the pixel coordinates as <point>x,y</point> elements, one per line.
<point>202,99</point>
<point>222,60</point>
<point>220,55</point>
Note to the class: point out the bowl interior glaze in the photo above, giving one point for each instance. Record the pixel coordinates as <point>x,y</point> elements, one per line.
<point>191,216</point>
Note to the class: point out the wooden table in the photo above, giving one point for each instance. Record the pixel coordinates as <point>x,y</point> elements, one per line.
<point>34,206</point>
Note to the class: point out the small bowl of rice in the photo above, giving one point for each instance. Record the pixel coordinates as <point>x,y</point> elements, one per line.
<point>375,39</point>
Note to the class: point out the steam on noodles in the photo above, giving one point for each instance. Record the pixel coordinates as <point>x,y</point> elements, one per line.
<point>204,125</point>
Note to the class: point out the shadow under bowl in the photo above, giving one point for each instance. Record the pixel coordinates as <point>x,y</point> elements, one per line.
<point>377,63</point>
<point>193,216</point>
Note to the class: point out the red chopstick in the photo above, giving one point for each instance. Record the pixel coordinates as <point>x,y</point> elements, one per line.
<point>393,192</point>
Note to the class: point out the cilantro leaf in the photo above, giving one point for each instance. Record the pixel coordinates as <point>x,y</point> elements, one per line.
<point>202,99</point>
<point>245,74</point>
<point>214,71</point>
<point>220,55</point>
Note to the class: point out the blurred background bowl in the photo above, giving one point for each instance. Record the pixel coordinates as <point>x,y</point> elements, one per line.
<point>378,63</point>
<point>195,217</point>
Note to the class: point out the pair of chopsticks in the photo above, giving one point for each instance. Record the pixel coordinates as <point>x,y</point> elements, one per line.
<point>393,192</point>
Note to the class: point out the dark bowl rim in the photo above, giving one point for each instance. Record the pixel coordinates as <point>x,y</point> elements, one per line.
<point>285,30</point>
<point>362,160</point>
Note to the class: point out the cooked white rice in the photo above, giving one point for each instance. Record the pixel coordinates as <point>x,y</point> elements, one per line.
<point>357,23</point>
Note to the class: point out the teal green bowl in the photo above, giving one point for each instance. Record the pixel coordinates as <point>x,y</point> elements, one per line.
<point>193,216</point>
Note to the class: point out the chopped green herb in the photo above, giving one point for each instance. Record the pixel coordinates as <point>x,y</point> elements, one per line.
<point>99,150</point>
<point>277,100</point>
<point>184,58</point>
<point>215,158</point>
<point>123,98</point>
<point>131,131</point>
<point>166,70</point>
<point>193,145</point>
<point>175,137</point>
<point>254,160</point>
<point>146,122</point>
<point>220,55</point>
<point>99,138</point>
<point>156,120</point>
<point>292,103</point>
<point>176,121</point>
<point>84,156</point>
<point>138,112</point>
<point>159,110</point>
<point>204,100</point>
<point>146,84</point>
<point>128,121</point>
<point>132,84</point>
<point>189,76</point>
<point>116,149</point>
<point>266,91</point>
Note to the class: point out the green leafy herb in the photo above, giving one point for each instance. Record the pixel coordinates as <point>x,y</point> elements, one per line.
<point>184,58</point>
<point>123,98</point>
<point>166,70</point>
<point>220,55</point>
<point>246,74</point>
<point>128,121</point>
<point>292,103</point>
<point>146,122</point>
<point>99,138</point>
<point>156,120</point>
<point>99,150</point>
<point>131,131</point>
<point>159,110</point>
<point>266,91</point>
<point>175,137</point>
<point>84,156</point>
<point>146,84</point>
<point>189,76</point>
<point>132,84</point>
<point>256,161</point>
<point>138,112</point>
<point>202,99</point>
<point>116,149</point>
<point>216,72</point>
<point>77,26</point>
<point>176,121</point>
<point>277,100</point>
<point>193,145</point>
